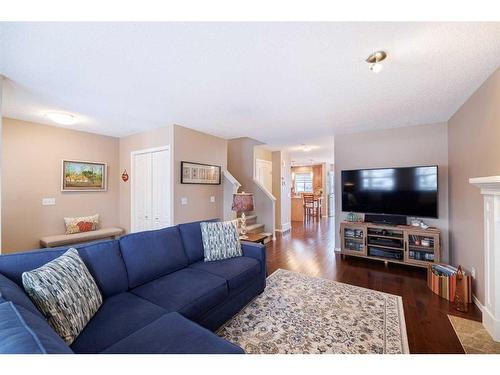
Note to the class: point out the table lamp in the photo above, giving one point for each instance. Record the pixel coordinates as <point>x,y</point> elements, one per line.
<point>243,202</point>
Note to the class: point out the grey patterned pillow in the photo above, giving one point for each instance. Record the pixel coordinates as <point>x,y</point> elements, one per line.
<point>65,292</point>
<point>220,240</point>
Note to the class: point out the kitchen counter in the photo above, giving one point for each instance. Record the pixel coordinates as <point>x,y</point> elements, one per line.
<point>297,210</point>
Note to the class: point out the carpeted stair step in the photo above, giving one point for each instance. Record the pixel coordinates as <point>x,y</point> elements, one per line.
<point>255,228</point>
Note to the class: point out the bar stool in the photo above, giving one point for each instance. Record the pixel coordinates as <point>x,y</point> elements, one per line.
<point>309,205</point>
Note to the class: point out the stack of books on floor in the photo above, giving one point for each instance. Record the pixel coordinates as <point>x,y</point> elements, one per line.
<point>442,280</point>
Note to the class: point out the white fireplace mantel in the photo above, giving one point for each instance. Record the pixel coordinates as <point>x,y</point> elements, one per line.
<point>488,185</point>
<point>490,188</point>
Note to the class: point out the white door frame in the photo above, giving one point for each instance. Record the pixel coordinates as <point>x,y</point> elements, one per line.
<point>132,192</point>
<point>255,174</point>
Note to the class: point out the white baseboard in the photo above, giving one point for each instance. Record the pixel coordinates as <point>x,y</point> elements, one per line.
<point>479,305</point>
<point>491,324</point>
<point>284,227</point>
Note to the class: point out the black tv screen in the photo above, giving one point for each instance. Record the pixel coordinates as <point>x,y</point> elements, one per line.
<point>411,191</point>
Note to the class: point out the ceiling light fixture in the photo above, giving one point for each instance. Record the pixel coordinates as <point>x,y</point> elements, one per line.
<point>375,61</point>
<point>61,118</point>
<point>306,148</point>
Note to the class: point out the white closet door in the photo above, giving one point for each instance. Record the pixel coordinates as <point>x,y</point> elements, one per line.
<point>160,166</point>
<point>142,180</point>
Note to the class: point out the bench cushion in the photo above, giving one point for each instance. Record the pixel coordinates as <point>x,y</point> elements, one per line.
<point>152,254</point>
<point>67,239</point>
<point>188,291</point>
<point>239,272</point>
<point>173,334</point>
<point>118,317</point>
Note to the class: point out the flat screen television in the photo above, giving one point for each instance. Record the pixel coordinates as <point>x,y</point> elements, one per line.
<point>409,191</point>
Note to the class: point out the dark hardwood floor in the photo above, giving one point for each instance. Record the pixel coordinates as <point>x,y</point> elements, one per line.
<point>309,249</point>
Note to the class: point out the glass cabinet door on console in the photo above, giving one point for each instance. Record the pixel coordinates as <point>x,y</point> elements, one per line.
<point>353,239</point>
<point>422,247</point>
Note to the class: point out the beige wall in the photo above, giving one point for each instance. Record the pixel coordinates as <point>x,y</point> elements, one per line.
<point>240,163</point>
<point>474,151</point>
<point>186,145</point>
<point>1,126</point>
<point>32,155</point>
<point>32,171</point>
<point>240,160</point>
<point>399,147</point>
<point>154,138</point>
<point>194,146</point>
<point>263,154</point>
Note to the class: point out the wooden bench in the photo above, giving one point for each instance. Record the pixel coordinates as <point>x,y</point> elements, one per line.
<point>68,239</point>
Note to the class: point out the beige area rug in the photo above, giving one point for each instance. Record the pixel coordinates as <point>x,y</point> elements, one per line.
<point>302,314</point>
<point>473,336</point>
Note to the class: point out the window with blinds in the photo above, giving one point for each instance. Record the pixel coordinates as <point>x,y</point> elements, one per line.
<point>303,183</point>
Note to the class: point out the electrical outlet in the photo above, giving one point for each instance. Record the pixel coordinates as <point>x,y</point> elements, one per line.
<point>212,199</point>
<point>184,201</point>
<point>48,201</point>
<point>473,272</point>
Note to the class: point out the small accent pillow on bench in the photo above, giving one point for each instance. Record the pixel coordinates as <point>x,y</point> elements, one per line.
<point>220,240</point>
<point>65,292</point>
<point>81,224</point>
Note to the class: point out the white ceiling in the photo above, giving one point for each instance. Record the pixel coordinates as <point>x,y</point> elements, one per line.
<point>321,150</point>
<point>280,83</point>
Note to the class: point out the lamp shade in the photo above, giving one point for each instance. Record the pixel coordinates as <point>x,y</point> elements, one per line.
<point>242,202</point>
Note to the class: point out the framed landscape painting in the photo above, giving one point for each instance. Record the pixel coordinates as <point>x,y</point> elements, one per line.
<point>197,173</point>
<point>83,176</point>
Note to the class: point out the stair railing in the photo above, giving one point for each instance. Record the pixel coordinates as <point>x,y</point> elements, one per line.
<point>265,207</point>
<point>230,187</point>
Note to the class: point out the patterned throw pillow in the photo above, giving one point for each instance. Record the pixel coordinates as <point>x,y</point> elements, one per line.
<point>220,240</point>
<point>81,224</point>
<point>65,292</point>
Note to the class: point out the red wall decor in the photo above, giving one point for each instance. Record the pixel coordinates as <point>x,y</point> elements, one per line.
<point>125,176</point>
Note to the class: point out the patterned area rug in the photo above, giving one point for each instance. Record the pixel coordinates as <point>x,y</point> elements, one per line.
<point>302,314</point>
<point>473,336</point>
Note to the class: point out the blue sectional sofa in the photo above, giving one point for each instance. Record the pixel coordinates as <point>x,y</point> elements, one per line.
<point>159,295</point>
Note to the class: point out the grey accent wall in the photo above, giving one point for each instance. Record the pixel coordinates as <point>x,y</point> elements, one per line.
<point>240,162</point>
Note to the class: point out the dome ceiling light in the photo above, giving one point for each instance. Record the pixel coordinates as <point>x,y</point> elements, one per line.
<point>375,61</point>
<point>61,118</point>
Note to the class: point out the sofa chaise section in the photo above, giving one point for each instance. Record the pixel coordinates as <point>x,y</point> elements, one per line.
<point>118,317</point>
<point>179,336</point>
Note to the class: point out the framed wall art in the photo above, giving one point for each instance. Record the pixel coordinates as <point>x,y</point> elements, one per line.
<point>83,176</point>
<point>198,173</point>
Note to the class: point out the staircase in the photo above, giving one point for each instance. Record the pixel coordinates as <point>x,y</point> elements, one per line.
<point>254,227</point>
